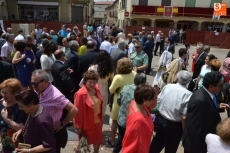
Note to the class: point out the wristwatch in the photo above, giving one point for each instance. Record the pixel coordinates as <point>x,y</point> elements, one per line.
<point>62,124</point>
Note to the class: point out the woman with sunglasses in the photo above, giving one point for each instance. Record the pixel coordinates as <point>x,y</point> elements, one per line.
<point>11,118</point>
<point>38,129</point>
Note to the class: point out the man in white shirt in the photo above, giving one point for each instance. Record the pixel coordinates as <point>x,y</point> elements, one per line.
<point>105,45</point>
<point>131,47</point>
<point>158,42</point>
<point>20,36</point>
<point>45,31</point>
<point>38,33</point>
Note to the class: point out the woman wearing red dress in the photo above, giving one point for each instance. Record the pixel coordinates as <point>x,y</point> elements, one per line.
<point>88,100</point>
<point>139,126</point>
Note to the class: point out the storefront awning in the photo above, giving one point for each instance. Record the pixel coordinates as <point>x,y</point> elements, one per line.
<point>38,3</point>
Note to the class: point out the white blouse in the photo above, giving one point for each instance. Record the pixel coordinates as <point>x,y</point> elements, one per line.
<point>46,63</point>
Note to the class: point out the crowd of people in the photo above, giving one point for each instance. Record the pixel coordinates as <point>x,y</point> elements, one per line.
<point>50,81</point>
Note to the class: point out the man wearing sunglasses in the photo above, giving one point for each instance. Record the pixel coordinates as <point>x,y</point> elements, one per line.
<point>55,102</point>
<point>139,58</point>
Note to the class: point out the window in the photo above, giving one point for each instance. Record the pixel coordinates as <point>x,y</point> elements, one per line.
<point>190,3</point>
<point>143,2</point>
<point>123,3</point>
<point>215,1</point>
<point>166,3</point>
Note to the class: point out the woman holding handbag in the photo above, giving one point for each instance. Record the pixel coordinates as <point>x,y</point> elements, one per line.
<point>37,133</point>
<point>88,122</point>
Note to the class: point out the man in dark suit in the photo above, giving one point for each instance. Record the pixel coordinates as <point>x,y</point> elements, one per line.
<point>203,114</point>
<point>87,59</point>
<point>148,49</point>
<point>72,62</point>
<point>118,53</point>
<point>99,38</point>
<point>6,71</point>
<point>198,65</point>
<point>60,73</point>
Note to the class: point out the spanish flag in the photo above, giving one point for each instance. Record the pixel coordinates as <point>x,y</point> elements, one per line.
<point>161,9</point>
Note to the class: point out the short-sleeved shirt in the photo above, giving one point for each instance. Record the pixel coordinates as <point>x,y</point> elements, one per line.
<point>18,116</point>
<point>6,50</point>
<point>139,59</point>
<point>63,33</point>
<point>54,101</point>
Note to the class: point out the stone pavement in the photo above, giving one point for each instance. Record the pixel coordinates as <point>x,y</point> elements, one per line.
<point>105,148</point>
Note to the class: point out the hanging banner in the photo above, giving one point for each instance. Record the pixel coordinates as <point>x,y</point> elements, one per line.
<point>2,25</point>
<point>168,11</point>
<point>220,9</point>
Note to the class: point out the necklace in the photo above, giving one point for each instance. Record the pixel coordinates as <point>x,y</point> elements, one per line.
<point>29,123</point>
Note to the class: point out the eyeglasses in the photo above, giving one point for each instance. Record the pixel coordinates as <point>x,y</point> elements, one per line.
<point>36,83</point>
<point>5,93</point>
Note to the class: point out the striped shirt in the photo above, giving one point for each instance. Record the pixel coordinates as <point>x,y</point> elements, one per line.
<point>54,101</point>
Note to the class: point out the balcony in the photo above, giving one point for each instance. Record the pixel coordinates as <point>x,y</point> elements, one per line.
<point>79,1</point>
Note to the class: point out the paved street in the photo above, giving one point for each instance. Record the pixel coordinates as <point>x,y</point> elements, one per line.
<point>105,148</point>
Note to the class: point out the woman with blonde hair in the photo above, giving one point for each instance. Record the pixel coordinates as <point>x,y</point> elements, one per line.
<point>219,143</point>
<point>125,76</point>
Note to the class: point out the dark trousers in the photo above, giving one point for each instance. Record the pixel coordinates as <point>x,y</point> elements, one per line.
<point>168,136</point>
<point>156,48</point>
<point>121,134</point>
<point>162,48</point>
<point>191,85</point>
<point>148,70</point>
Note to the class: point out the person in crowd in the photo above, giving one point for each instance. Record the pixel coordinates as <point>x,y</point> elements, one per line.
<point>38,33</point>
<point>75,31</point>
<point>226,69</point>
<point>69,33</point>
<point>205,69</point>
<point>47,58</point>
<point>125,76</point>
<point>38,129</point>
<point>2,40</point>
<point>100,39</point>
<point>140,38</point>
<point>7,48</point>
<point>63,32</point>
<point>90,28</point>
<point>9,30</point>
<point>148,49</point>
<point>163,65</point>
<point>12,118</point>
<point>105,45</point>
<point>187,46</point>
<point>124,99</point>
<point>203,113</point>
<point>118,53</point>
<point>29,39</point>
<point>103,65</point>
<point>65,47</point>
<point>162,44</point>
<point>199,62</point>
<point>61,109</point>
<point>131,47</point>
<point>62,79</point>
<point>25,60</point>
<point>111,40</point>
<point>38,54</point>
<point>20,36</point>
<point>72,61</point>
<point>79,38</point>
<point>8,70</point>
<point>114,31</point>
<point>88,122</point>
<point>207,49</point>
<point>139,59</point>
<point>85,34</point>
<point>172,105</point>
<point>129,37</point>
<point>175,66</point>
<point>158,42</point>
<point>53,36</point>
<point>91,37</point>
<point>107,30</point>
<point>87,59</point>
<point>221,141</point>
<point>44,31</point>
<point>139,125</point>
<point>83,48</point>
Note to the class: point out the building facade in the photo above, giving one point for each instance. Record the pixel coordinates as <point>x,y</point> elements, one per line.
<point>112,13</point>
<point>99,10</point>
<point>3,10</point>
<point>187,14</point>
<point>51,10</point>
